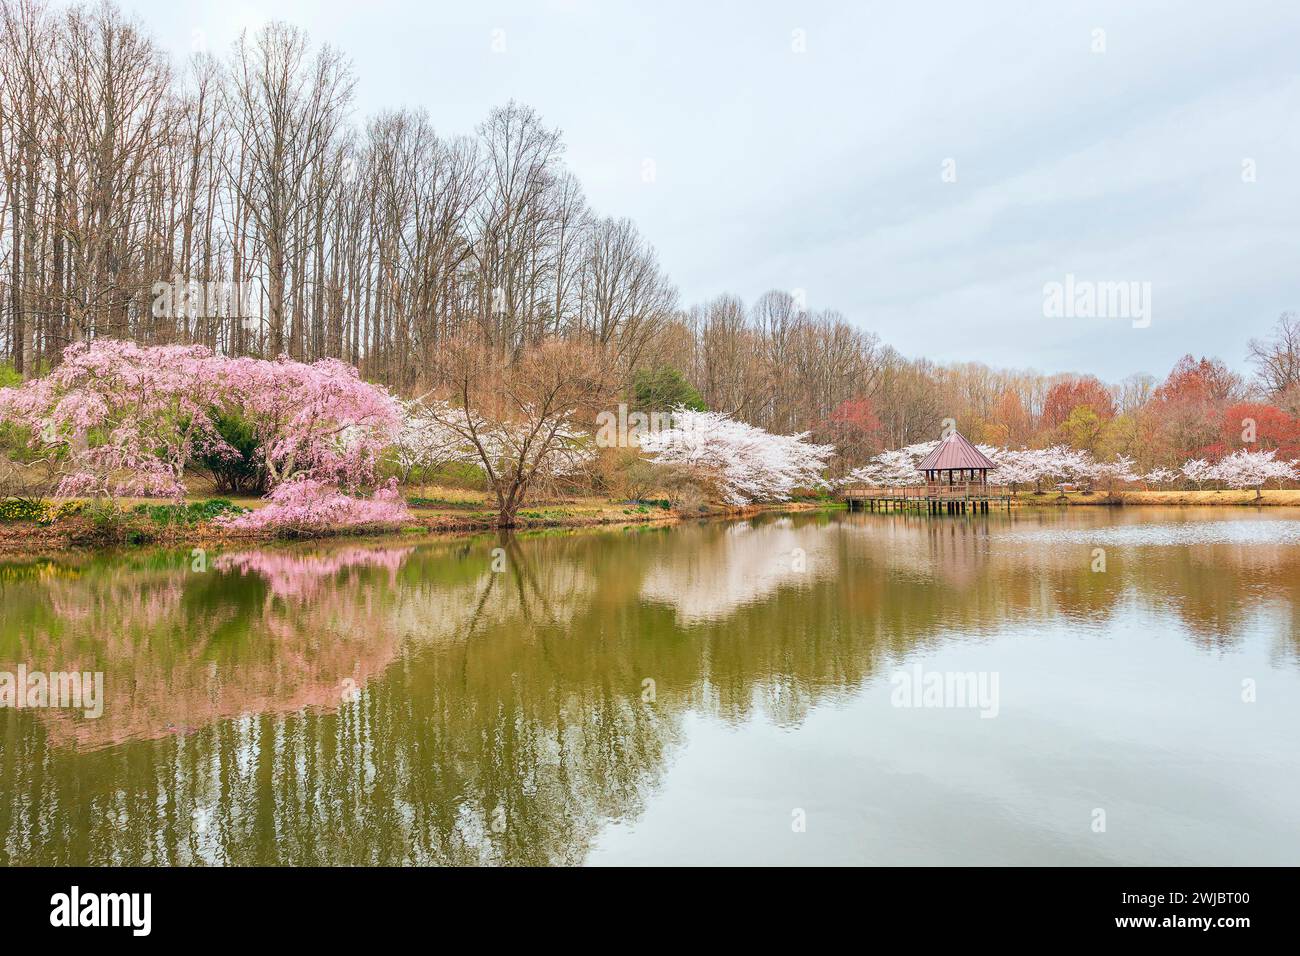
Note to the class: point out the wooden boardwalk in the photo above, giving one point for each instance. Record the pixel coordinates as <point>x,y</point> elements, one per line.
<point>968,498</point>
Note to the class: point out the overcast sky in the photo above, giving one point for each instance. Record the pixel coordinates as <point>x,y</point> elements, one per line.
<point>803,146</point>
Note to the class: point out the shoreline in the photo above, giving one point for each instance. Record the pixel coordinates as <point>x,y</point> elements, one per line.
<point>25,539</point>
<point>22,539</point>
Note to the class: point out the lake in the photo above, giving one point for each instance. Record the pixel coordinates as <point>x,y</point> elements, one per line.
<point>1073,686</point>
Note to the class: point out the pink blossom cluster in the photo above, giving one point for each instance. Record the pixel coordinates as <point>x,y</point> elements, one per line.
<point>303,503</point>
<point>126,420</point>
<point>321,419</point>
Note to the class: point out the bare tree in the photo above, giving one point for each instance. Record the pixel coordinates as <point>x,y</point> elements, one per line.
<point>520,417</point>
<point>24,41</point>
<point>287,107</point>
<point>626,298</point>
<point>1277,358</point>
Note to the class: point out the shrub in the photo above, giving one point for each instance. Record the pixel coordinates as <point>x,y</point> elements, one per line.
<point>624,474</point>
<point>691,497</point>
<point>108,521</point>
<point>237,469</point>
<point>42,512</point>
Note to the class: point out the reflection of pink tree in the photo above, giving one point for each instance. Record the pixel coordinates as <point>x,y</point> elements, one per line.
<point>315,641</point>
<point>291,574</point>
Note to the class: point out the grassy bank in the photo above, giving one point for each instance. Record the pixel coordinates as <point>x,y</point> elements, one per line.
<point>434,511</point>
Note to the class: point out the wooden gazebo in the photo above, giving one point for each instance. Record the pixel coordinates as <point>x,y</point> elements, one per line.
<point>956,482</point>
<point>955,463</point>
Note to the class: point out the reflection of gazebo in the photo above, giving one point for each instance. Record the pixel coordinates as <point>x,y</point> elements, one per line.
<point>956,463</point>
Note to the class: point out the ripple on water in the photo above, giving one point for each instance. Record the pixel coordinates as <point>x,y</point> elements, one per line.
<point>1167,535</point>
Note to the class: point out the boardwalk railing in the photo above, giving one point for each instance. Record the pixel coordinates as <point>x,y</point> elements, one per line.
<point>959,498</point>
<point>945,492</point>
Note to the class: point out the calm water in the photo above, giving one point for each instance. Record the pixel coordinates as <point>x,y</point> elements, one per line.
<point>715,693</point>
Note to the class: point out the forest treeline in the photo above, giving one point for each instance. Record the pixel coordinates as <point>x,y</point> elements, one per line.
<point>236,201</point>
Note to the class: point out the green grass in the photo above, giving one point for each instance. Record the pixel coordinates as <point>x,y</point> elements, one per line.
<point>189,514</point>
<point>418,501</point>
<point>547,514</point>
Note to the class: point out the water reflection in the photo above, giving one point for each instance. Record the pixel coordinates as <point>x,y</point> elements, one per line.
<point>708,575</point>
<point>485,700</point>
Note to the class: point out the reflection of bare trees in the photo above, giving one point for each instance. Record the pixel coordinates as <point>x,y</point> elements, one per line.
<point>499,716</point>
<point>484,747</point>
<point>535,586</point>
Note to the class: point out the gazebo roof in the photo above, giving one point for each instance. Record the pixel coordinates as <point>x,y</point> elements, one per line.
<point>955,452</point>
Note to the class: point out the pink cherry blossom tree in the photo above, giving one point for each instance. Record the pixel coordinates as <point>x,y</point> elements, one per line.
<point>122,419</point>
<point>304,505</point>
<point>320,420</point>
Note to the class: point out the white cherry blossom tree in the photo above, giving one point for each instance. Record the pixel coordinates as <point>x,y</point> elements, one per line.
<point>1251,469</point>
<point>1198,471</point>
<point>742,462</point>
<point>427,441</point>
